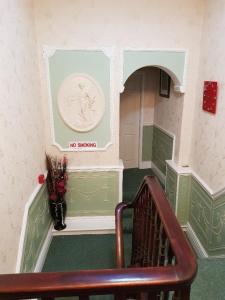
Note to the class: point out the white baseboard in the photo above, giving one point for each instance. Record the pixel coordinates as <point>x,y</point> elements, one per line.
<point>159,173</point>
<point>44,251</point>
<point>88,225</point>
<point>145,164</point>
<point>196,244</point>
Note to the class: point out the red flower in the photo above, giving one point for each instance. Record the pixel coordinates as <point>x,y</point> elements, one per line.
<point>53,197</point>
<point>60,187</point>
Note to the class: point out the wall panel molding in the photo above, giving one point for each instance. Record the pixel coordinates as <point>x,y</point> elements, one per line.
<point>63,135</point>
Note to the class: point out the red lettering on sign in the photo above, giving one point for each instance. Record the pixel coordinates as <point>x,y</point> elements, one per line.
<point>82,145</point>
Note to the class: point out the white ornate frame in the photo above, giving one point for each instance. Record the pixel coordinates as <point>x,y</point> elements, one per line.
<point>49,51</point>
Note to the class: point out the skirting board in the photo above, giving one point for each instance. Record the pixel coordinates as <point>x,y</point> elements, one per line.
<point>44,251</point>
<point>145,164</point>
<point>88,225</point>
<point>196,244</point>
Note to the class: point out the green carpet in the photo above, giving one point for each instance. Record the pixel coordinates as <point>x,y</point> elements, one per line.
<point>80,252</point>
<point>210,281</point>
<point>132,179</point>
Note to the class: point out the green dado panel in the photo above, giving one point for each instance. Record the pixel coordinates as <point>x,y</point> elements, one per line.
<point>172,60</point>
<point>95,64</point>
<point>183,199</point>
<point>38,224</point>
<point>201,213</point>
<point>207,219</point>
<point>217,242</point>
<point>171,186</point>
<point>162,149</point>
<point>147,143</point>
<point>196,206</point>
<point>92,193</point>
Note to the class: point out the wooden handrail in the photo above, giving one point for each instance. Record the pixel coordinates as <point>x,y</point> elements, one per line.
<point>118,281</point>
<point>185,264</point>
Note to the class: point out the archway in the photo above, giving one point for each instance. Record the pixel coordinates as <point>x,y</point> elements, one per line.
<point>151,104</point>
<point>172,62</point>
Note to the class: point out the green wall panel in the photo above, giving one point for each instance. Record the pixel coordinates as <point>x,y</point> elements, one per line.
<point>200,213</point>
<point>147,143</point>
<point>38,224</point>
<point>92,193</point>
<point>94,63</point>
<point>183,199</point>
<point>171,186</point>
<point>197,207</point>
<point>136,59</point>
<point>162,149</point>
<point>217,241</point>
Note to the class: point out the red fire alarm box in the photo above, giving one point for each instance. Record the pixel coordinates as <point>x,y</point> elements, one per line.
<point>210,96</point>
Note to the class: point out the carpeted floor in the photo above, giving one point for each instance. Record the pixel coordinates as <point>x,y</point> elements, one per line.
<point>80,252</point>
<point>132,179</point>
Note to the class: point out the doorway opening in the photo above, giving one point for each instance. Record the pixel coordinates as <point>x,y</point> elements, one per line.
<point>137,104</point>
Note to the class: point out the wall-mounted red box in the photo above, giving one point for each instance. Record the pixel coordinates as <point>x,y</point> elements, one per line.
<point>210,96</point>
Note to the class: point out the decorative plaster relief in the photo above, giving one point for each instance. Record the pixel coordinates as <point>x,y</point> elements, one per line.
<point>81,102</point>
<point>92,193</point>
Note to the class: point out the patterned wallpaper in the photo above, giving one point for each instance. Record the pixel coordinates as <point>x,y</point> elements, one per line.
<point>21,123</point>
<point>168,115</point>
<point>209,139</point>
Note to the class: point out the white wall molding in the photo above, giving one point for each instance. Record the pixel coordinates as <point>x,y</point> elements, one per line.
<point>179,170</point>
<point>196,244</point>
<point>141,112</point>
<point>109,52</point>
<point>120,170</point>
<point>88,225</point>
<point>179,89</point>
<point>159,173</point>
<point>188,171</point>
<point>24,225</point>
<point>145,164</point>
<point>93,168</point>
<point>44,251</point>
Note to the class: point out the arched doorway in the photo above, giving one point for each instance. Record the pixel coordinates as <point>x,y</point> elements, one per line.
<point>136,109</point>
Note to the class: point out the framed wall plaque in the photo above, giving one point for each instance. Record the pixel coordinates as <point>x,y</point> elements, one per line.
<point>164,84</point>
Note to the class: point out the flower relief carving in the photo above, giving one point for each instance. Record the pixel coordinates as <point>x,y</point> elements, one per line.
<point>81,102</point>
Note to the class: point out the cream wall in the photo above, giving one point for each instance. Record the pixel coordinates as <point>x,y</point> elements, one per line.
<point>149,88</point>
<point>168,115</point>
<point>121,24</point>
<point>21,123</point>
<point>208,150</point>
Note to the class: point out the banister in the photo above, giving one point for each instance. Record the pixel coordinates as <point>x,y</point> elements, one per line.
<point>120,280</point>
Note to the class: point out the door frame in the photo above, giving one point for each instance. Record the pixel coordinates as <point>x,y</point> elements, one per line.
<point>140,131</point>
